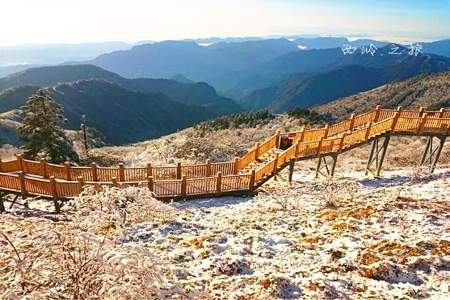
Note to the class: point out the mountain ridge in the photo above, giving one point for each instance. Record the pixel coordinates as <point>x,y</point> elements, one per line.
<point>431,91</point>
<point>342,78</point>
<point>198,93</point>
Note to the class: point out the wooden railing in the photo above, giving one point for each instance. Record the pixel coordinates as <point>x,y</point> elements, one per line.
<point>39,178</point>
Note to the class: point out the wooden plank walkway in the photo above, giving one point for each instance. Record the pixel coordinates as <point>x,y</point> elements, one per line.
<point>240,176</point>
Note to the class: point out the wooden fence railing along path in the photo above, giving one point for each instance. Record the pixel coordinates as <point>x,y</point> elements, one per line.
<point>27,178</point>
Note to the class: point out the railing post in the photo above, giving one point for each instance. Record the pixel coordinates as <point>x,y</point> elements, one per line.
<point>275,165</point>
<point>114,181</point>
<point>23,188</point>
<point>208,168</point>
<point>236,165</point>
<point>20,162</point>
<point>183,185</point>
<point>377,111</point>
<point>277,138</point>
<point>67,168</point>
<point>94,172</point>
<point>320,146</point>
<point>297,148</point>
<point>352,122</point>
<point>441,112</point>
<point>80,182</point>
<point>54,193</point>
<point>149,170</point>
<point>302,134</point>
<point>421,111</point>
<point>341,144</point>
<point>219,182</point>
<point>327,128</point>
<point>178,170</point>
<point>251,183</point>
<point>369,127</point>
<point>44,167</point>
<point>422,122</point>
<point>256,151</point>
<point>394,122</point>
<point>121,172</point>
<point>150,183</point>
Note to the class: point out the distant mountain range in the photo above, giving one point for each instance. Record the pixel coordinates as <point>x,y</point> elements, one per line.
<point>122,115</point>
<point>347,75</point>
<point>429,91</point>
<point>225,65</point>
<point>218,64</point>
<point>188,93</point>
<point>124,110</point>
<point>180,77</point>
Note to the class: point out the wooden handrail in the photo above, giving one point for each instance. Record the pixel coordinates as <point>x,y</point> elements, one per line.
<point>381,121</point>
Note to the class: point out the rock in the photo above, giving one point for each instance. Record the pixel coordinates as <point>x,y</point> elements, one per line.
<point>281,287</point>
<point>232,266</point>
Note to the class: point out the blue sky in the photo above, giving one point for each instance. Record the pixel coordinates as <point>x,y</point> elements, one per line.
<point>52,21</point>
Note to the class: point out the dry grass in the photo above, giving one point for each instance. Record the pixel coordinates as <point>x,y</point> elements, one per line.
<point>431,91</point>
<point>195,146</point>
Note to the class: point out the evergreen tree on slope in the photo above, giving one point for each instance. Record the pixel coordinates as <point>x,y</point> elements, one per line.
<point>41,131</point>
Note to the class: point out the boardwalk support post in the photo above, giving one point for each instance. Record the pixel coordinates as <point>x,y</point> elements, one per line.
<point>291,168</point>
<point>54,194</point>
<point>114,182</point>
<point>431,154</point>
<point>150,183</point>
<point>183,185</point>
<point>251,183</point>
<point>275,165</point>
<point>329,169</point>
<point>219,182</point>
<point>377,155</point>
<point>23,189</point>
<point>2,205</point>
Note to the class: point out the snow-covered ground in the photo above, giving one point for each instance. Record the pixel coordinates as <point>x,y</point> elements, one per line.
<point>350,237</point>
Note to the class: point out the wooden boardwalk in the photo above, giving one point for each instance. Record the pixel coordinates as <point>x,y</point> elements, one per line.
<point>27,178</point>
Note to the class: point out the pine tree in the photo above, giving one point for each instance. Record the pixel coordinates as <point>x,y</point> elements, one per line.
<point>41,131</point>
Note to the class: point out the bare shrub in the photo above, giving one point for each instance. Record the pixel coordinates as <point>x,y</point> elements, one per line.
<point>105,210</point>
<point>57,262</point>
<point>334,193</point>
<point>81,258</point>
<point>418,173</point>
